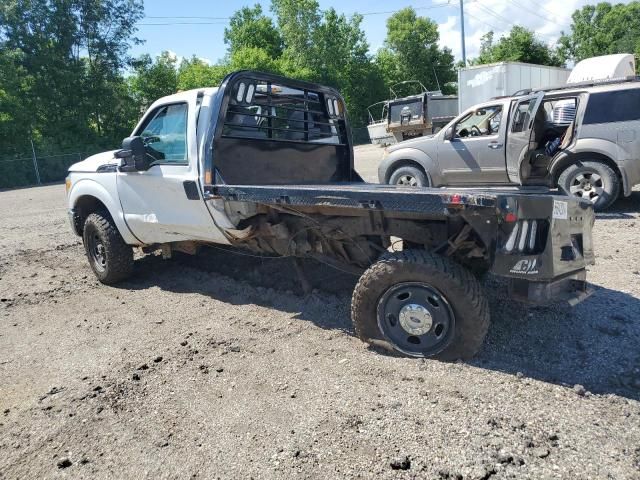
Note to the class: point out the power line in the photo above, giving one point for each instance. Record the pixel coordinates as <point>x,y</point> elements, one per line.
<point>493,27</point>
<point>195,17</point>
<point>532,11</point>
<point>183,23</point>
<point>495,15</point>
<point>200,17</point>
<point>435,5</point>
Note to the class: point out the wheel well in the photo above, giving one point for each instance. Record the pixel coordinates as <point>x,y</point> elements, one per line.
<point>585,156</point>
<point>405,163</point>
<point>85,206</point>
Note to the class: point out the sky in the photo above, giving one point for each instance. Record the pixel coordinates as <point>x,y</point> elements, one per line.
<point>196,27</point>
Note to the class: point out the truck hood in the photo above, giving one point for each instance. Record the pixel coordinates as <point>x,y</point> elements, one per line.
<point>412,143</point>
<point>92,163</point>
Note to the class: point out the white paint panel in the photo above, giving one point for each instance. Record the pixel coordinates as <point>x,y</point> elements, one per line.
<point>481,83</point>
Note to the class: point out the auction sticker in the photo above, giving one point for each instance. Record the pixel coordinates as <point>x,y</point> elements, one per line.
<point>560,209</point>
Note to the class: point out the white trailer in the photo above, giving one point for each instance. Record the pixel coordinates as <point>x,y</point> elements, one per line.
<point>482,82</point>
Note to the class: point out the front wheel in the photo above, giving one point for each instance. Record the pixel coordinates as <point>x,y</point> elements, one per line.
<point>422,305</point>
<point>591,180</point>
<point>110,258</point>
<point>409,177</point>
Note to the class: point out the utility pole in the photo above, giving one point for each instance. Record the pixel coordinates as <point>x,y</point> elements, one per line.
<point>35,162</point>
<point>464,52</point>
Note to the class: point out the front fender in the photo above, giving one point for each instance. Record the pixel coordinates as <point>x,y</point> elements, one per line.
<point>409,155</point>
<point>92,188</point>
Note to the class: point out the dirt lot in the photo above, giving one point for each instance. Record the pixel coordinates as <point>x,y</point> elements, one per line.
<point>218,367</point>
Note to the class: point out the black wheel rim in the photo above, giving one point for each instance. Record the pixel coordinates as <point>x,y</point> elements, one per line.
<point>97,252</point>
<point>416,318</point>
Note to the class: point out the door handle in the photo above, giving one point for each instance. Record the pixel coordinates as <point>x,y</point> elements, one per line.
<point>495,146</point>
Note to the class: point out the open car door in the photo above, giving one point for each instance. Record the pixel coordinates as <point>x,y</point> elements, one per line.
<point>519,138</point>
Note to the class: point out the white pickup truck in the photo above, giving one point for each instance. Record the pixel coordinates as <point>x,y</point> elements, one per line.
<point>265,163</point>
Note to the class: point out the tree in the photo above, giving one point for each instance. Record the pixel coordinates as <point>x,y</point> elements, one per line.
<point>195,73</point>
<point>411,52</point>
<point>154,78</point>
<point>329,48</point>
<point>297,21</point>
<point>70,55</point>
<point>250,28</point>
<point>520,45</point>
<point>602,29</point>
<point>341,59</point>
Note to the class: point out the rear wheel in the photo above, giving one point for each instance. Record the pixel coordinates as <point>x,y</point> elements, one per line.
<point>409,177</point>
<point>111,259</point>
<point>591,180</point>
<point>422,305</point>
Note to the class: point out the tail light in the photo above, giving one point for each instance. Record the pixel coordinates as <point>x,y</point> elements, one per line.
<point>525,236</point>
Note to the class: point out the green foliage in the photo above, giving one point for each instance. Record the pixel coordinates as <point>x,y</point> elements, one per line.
<point>411,52</point>
<point>194,73</point>
<point>60,64</point>
<point>250,28</point>
<point>521,45</point>
<point>154,79</point>
<point>253,58</point>
<point>297,21</point>
<point>602,29</point>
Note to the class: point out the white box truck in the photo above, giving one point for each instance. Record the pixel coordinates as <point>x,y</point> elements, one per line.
<point>480,83</point>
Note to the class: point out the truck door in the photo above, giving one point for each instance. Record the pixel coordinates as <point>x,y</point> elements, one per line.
<point>519,136</point>
<point>164,203</point>
<point>472,150</point>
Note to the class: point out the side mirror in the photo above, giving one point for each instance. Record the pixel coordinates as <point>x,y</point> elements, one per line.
<point>133,154</point>
<point>448,134</point>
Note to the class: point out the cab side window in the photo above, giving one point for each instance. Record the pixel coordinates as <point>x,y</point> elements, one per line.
<point>483,122</point>
<point>165,134</point>
<point>523,116</point>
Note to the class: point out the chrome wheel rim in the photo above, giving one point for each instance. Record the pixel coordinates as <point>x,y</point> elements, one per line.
<point>416,318</point>
<point>407,181</point>
<point>587,185</point>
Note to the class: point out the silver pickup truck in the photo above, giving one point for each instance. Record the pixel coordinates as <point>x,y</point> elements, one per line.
<point>583,139</point>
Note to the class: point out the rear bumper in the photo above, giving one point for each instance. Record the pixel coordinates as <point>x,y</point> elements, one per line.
<point>572,289</point>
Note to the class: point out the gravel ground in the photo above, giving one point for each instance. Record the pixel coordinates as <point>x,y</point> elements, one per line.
<point>219,367</point>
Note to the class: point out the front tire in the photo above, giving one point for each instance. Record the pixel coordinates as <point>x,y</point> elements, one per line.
<point>409,177</point>
<point>591,180</point>
<point>422,305</point>
<point>110,258</point>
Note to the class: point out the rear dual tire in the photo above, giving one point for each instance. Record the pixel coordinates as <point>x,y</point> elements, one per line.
<point>422,305</point>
